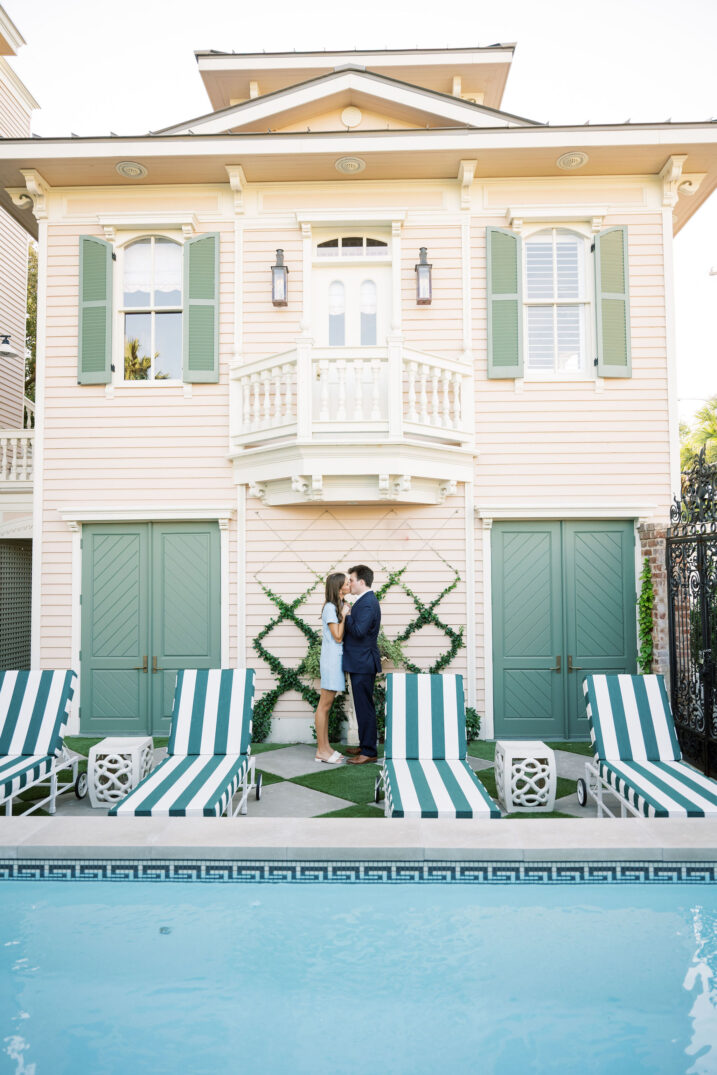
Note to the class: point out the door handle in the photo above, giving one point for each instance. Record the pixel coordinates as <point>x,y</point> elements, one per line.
<point>141,667</point>
<point>557,664</point>
<point>573,667</point>
<point>154,666</point>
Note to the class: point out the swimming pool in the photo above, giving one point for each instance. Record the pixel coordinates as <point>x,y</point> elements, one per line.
<point>109,977</point>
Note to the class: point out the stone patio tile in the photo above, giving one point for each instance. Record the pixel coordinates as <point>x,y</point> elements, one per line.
<point>569,805</point>
<point>478,764</point>
<point>291,761</point>
<point>571,766</point>
<point>293,801</point>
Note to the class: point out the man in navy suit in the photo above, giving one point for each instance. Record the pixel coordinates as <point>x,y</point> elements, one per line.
<point>362,660</point>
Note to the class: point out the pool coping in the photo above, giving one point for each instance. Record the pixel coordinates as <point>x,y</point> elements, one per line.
<point>359,840</point>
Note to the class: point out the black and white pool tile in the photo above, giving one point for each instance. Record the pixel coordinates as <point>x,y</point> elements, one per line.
<point>354,872</point>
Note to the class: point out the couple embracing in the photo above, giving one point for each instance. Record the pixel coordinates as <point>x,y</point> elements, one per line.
<point>349,646</point>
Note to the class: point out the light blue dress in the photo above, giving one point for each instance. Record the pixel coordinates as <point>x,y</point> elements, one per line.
<point>332,676</point>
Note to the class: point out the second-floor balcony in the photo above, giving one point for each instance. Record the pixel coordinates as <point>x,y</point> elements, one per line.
<point>352,425</point>
<point>16,453</point>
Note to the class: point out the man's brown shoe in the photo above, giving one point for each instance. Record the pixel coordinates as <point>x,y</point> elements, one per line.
<point>352,751</point>
<point>360,759</point>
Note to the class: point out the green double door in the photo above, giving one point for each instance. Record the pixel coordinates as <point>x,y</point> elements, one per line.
<point>150,606</point>
<point>563,605</point>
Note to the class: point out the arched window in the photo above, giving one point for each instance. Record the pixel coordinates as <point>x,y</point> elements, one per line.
<point>152,310</point>
<point>556,302</point>
<point>337,314</point>
<point>352,246</point>
<point>368,313</point>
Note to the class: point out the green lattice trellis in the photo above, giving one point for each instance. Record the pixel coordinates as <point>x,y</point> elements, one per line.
<point>289,679</point>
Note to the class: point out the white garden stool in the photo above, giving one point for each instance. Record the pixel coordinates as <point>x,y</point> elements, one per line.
<point>117,765</point>
<point>525,775</point>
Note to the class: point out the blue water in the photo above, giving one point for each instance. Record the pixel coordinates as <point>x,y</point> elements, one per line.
<point>105,978</point>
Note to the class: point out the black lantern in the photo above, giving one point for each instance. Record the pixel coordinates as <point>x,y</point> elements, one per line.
<point>424,289</point>
<point>279,281</point>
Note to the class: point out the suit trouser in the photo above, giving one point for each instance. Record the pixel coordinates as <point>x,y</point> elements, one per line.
<point>362,684</point>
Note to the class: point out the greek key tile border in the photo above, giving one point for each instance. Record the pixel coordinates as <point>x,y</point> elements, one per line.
<point>353,872</point>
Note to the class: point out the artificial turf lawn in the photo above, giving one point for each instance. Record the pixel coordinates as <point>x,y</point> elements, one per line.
<point>353,782</point>
<point>482,748</point>
<point>574,748</point>
<point>355,811</point>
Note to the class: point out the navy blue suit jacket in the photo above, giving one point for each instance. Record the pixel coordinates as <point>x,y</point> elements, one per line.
<point>361,636</point>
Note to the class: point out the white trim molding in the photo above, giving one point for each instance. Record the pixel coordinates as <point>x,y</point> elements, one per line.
<point>147,513</point>
<point>518,215</point>
<point>519,512</point>
<point>17,529</point>
<point>110,223</point>
<point>340,217</point>
<point>487,729</point>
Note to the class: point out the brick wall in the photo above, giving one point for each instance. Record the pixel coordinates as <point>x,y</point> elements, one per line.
<point>652,546</point>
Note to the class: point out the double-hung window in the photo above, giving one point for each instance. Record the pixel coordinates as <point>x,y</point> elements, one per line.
<point>556,303</point>
<point>151,310</point>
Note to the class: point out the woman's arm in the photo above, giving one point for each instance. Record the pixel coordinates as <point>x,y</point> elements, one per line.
<point>337,629</point>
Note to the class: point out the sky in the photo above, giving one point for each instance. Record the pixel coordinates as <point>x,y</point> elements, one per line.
<point>96,66</point>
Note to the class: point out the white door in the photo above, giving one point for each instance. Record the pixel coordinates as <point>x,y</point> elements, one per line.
<point>351,305</point>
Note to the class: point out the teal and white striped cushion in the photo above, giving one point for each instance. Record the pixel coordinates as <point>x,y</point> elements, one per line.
<point>212,711</point>
<point>662,788</point>
<point>191,786</point>
<point>425,716</point>
<point>22,772</point>
<point>445,789</point>
<point>630,718</point>
<point>34,710</point>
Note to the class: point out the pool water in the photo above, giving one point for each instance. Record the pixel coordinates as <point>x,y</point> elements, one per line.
<point>113,977</point>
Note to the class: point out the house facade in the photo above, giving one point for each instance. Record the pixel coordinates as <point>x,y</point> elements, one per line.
<point>16,437</point>
<point>354,313</point>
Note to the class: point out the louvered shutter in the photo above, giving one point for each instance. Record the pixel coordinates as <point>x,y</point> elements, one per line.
<point>94,345</point>
<point>612,301</point>
<point>505,303</point>
<point>201,308</point>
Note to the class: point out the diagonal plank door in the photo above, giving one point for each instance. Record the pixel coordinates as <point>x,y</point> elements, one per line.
<point>115,630</point>
<point>599,559</point>
<point>527,630</point>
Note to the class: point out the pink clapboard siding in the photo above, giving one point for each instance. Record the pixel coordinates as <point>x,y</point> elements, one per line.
<point>289,548</point>
<point>148,445</point>
<point>437,328</point>
<point>269,330</point>
<point>566,441</point>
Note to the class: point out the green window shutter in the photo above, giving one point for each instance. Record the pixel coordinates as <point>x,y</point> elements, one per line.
<point>612,303</point>
<point>94,347</point>
<point>505,303</point>
<point>201,308</point>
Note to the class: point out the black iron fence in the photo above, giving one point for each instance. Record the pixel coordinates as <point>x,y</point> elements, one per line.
<point>691,585</point>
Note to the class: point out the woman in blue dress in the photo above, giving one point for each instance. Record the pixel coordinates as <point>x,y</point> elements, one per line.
<point>333,679</point>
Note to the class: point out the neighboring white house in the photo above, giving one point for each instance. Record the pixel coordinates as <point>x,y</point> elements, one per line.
<point>16,107</point>
<point>215,433</point>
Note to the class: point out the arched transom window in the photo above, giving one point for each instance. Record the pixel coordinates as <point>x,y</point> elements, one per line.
<point>352,246</point>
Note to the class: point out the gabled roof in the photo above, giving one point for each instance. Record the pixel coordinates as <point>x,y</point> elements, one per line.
<point>351,85</point>
<point>10,37</point>
<point>482,71</point>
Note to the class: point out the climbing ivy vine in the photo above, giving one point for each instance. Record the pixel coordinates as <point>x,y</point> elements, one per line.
<point>645,606</point>
<point>293,679</point>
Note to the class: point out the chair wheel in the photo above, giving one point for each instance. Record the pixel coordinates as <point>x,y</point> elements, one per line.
<point>582,790</point>
<point>258,786</point>
<point>81,785</point>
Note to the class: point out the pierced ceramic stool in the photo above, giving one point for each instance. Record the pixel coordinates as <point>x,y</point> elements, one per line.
<point>116,766</point>
<point>525,775</point>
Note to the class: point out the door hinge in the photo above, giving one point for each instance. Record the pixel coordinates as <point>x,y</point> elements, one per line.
<point>595,362</point>
<point>112,366</point>
<point>592,248</point>
<point>114,256</point>
<point>80,598</point>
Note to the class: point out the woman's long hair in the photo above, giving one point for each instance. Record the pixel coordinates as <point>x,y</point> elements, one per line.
<point>334,582</point>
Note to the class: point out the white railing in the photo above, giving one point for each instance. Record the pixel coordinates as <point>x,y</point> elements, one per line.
<point>16,455</point>
<point>28,413</point>
<point>371,394</point>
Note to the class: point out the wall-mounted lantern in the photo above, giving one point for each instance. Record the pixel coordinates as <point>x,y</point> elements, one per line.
<point>279,281</point>
<point>5,349</point>
<point>424,288</point>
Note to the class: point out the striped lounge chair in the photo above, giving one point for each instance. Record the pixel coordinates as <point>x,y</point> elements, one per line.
<point>34,709</point>
<point>425,772</point>
<point>637,756</point>
<point>208,756</point>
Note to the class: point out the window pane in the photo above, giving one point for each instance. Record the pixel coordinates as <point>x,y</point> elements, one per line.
<point>138,273</point>
<point>368,313</point>
<point>377,242</point>
<point>137,346</point>
<point>354,242</point>
<point>337,330</point>
<point>539,267</point>
<point>168,347</point>
<point>571,348</point>
<point>541,343</point>
<point>329,249</point>
<point>167,273</point>
<point>569,266</point>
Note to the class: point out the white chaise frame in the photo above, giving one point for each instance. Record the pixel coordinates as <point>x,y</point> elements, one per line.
<point>66,759</point>
<point>596,787</point>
